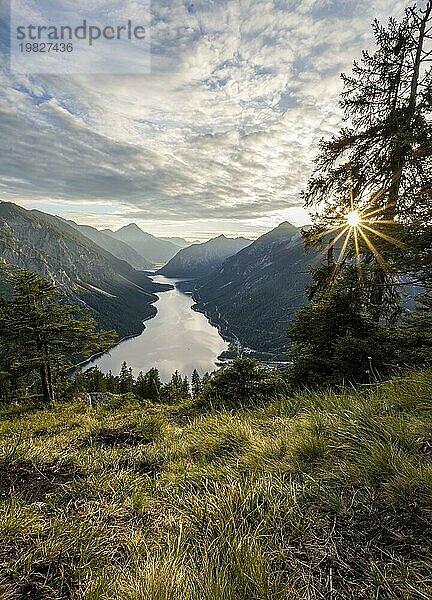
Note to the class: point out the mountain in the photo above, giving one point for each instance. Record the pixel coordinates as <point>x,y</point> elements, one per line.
<point>111,244</point>
<point>119,296</point>
<point>198,260</point>
<point>253,296</point>
<point>147,245</point>
<point>178,241</point>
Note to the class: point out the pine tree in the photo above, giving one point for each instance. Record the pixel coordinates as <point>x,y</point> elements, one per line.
<point>242,382</point>
<point>94,380</point>
<point>40,333</point>
<point>176,380</point>
<point>153,384</point>
<point>335,342</point>
<point>416,334</point>
<point>148,386</point>
<point>111,383</point>
<point>196,384</point>
<point>383,161</point>
<point>387,148</point>
<point>185,391</point>
<point>371,193</point>
<point>140,386</point>
<point>126,379</point>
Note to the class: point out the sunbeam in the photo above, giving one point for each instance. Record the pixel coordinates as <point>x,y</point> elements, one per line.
<point>353,227</point>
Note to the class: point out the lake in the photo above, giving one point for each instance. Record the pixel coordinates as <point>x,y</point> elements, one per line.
<point>176,338</point>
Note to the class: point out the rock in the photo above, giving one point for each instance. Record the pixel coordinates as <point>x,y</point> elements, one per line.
<point>94,399</point>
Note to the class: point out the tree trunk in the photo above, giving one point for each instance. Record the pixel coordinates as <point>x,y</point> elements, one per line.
<point>44,372</point>
<point>46,391</point>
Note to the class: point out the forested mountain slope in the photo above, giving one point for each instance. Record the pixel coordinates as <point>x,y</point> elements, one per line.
<point>119,296</point>
<point>150,247</point>
<point>116,247</point>
<point>254,294</point>
<point>198,260</point>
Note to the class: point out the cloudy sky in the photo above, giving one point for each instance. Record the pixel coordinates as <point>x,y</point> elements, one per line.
<point>219,137</point>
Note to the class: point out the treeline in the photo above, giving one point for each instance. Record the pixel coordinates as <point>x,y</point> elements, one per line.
<point>242,382</point>
<point>147,386</point>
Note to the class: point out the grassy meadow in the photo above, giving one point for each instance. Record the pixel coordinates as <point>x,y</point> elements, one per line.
<point>312,496</point>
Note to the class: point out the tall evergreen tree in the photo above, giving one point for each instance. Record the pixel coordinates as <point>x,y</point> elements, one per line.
<point>148,385</point>
<point>371,198</point>
<point>185,390</point>
<point>386,150</point>
<point>39,333</point>
<point>196,384</point>
<point>126,379</point>
<point>382,161</point>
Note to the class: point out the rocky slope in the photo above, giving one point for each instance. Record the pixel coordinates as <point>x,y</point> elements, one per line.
<point>116,247</point>
<point>148,246</point>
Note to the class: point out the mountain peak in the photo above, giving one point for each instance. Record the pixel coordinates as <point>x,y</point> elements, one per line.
<point>286,225</point>
<point>132,227</point>
<point>147,245</point>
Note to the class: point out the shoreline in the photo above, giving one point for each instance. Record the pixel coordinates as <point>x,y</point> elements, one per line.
<point>93,357</point>
<point>228,336</point>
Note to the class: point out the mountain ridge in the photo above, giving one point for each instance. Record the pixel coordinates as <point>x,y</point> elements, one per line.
<point>254,294</point>
<point>118,296</point>
<point>147,245</point>
<point>200,259</point>
<point>116,247</point>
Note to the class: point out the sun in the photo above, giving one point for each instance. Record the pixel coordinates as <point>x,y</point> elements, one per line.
<point>353,218</point>
<point>358,226</point>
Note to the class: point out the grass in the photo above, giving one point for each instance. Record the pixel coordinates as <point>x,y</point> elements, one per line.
<point>315,496</point>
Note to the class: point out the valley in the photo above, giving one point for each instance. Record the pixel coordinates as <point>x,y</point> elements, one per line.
<point>247,289</point>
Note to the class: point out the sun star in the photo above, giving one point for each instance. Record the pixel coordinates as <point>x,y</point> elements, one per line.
<point>353,218</point>
<point>356,226</point>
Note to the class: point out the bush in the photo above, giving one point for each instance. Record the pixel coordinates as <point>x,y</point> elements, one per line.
<point>243,382</point>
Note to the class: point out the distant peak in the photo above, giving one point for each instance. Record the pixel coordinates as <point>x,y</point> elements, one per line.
<point>131,227</point>
<point>286,225</point>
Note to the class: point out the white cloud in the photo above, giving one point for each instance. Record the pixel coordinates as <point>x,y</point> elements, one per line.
<point>221,134</point>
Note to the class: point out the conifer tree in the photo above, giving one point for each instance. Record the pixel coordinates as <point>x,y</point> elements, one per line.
<point>126,379</point>
<point>40,333</point>
<point>382,161</point>
<point>185,391</point>
<point>148,385</point>
<point>153,384</point>
<point>371,196</point>
<point>196,384</point>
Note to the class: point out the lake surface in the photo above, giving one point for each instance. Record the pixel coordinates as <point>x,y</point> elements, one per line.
<point>176,338</point>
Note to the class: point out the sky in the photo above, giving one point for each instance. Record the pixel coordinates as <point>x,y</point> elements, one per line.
<point>219,137</point>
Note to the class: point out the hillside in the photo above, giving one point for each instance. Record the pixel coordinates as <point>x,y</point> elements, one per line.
<point>314,496</point>
<point>254,294</point>
<point>177,241</point>
<point>151,248</point>
<point>199,260</point>
<point>120,297</point>
<point>116,247</point>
